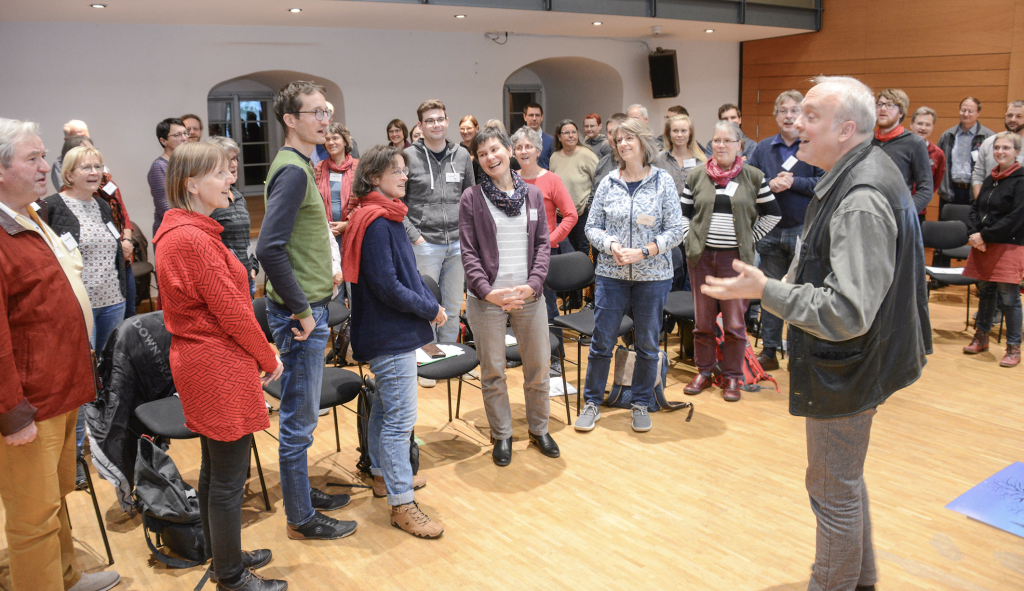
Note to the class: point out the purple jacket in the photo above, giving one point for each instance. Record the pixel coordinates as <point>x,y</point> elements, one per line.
<point>479,243</point>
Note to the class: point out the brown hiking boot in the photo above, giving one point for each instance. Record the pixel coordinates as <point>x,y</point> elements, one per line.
<point>1012,357</point>
<point>978,344</point>
<point>411,519</point>
<point>380,490</point>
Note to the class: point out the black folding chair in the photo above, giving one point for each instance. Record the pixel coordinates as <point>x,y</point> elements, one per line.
<point>512,354</point>
<point>338,316</point>
<point>944,237</point>
<point>452,367</point>
<point>89,488</point>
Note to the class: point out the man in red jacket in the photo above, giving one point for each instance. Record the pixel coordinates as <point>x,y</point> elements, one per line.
<point>46,372</point>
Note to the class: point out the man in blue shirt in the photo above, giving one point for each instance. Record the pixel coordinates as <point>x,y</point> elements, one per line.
<point>793,184</point>
<point>534,115</point>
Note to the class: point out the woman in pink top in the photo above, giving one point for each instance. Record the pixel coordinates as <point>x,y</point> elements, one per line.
<point>527,145</point>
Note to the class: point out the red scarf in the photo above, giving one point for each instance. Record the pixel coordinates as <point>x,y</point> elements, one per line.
<point>322,174</point>
<point>998,175</point>
<point>370,208</point>
<point>722,177</point>
<point>895,133</point>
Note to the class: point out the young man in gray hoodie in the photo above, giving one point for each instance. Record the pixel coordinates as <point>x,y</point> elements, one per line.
<point>439,171</point>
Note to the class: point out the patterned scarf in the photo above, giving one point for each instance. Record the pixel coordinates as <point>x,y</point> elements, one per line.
<point>511,206</point>
<point>722,177</point>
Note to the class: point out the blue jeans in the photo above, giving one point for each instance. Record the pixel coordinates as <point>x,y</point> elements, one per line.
<point>301,382</point>
<point>104,321</point>
<point>777,250</point>
<point>443,264</point>
<point>1008,295</point>
<point>392,420</point>
<point>612,299</point>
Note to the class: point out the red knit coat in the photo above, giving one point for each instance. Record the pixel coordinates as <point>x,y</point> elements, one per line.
<point>217,346</point>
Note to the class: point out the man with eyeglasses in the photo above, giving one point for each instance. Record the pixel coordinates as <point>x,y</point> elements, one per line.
<point>986,161</point>
<point>961,144</point>
<point>792,182</point>
<point>171,133</point>
<point>534,115</point>
<point>295,250</point>
<point>439,171</point>
<point>194,126</point>
<point>908,151</point>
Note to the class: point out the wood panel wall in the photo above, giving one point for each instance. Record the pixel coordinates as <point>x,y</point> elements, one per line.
<point>937,51</point>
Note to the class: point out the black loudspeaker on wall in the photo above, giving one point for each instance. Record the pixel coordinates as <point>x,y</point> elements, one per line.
<point>664,73</point>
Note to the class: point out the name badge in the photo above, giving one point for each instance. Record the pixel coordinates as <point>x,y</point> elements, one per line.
<point>452,177</point>
<point>69,241</point>
<point>689,163</point>
<point>109,188</point>
<point>336,177</point>
<point>35,206</point>
<point>113,231</point>
<point>789,163</point>
<point>974,154</point>
<point>533,215</point>
<point>730,189</point>
<point>645,220</point>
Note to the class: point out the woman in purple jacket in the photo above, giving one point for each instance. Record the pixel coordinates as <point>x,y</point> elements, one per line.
<point>503,213</point>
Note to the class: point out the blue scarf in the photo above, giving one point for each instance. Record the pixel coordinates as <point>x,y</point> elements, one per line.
<point>511,206</point>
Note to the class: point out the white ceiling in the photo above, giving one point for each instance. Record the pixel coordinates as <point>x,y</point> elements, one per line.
<point>374,15</point>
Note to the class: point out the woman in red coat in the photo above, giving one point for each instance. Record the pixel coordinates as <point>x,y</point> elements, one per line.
<point>217,352</point>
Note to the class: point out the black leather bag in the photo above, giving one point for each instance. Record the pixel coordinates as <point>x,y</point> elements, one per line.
<point>169,507</point>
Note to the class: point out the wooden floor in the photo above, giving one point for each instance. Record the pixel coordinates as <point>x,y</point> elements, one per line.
<point>717,503</point>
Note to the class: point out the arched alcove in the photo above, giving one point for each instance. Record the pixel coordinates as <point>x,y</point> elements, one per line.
<point>569,88</point>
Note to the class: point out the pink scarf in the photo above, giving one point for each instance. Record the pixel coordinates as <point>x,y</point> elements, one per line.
<point>722,177</point>
<point>322,174</point>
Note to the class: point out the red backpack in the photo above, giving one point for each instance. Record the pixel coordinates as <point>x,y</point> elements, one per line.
<point>752,370</point>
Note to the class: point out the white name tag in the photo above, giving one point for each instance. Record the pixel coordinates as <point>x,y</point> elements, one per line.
<point>974,154</point>
<point>645,220</point>
<point>452,177</point>
<point>789,163</point>
<point>113,230</point>
<point>533,215</point>
<point>109,188</point>
<point>336,177</point>
<point>689,163</point>
<point>730,189</point>
<point>69,241</point>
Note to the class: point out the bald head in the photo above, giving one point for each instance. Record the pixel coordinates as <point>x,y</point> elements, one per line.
<point>75,127</point>
<point>330,108</point>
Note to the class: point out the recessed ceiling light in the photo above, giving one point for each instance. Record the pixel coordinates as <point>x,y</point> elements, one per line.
<point>294,10</point>
<point>597,23</point>
<point>460,16</point>
<point>98,5</point>
<point>709,30</point>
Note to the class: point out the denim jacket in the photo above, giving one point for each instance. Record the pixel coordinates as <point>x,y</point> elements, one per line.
<point>615,217</point>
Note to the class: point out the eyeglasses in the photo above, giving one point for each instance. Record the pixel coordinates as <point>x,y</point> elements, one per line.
<point>433,122</point>
<point>180,135</point>
<point>91,168</point>
<point>569,133</point>
<point>889,106</point>
<point>723,142</point>
<point>400,172</point>
<point>466,129</point>
<point>319,113</point>
<point>794,112</point>
<point>625,138</point>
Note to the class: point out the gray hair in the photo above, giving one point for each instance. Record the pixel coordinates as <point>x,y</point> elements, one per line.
<point>1008,135</point>
<point>737,133</point>
<point>643,109</point>
<point>854,101</point>
<point>229,145</point>
<point>13,132</point>
<point>787,95</point>
<point>496,124</point>
<point>1016,105</point>
<point>928,111</point>
<point>489,132</point>
<point>525,133</point>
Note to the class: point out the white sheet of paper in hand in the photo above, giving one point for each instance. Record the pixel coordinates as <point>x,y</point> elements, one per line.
<point>789,163</point>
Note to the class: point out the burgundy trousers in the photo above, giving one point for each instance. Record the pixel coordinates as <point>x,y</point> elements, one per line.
<point>717,263</point>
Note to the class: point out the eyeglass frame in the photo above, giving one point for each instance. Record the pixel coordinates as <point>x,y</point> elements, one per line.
<point>179,135</point>
<point>319,113</point>
<point>434,121</point>
<point>887,106</point>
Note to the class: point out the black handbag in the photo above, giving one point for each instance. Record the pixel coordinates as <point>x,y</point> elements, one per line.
<point>169,508</point>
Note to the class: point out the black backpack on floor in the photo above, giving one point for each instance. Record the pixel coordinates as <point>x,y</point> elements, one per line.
<point>363,405</point>
<point>169,508</point>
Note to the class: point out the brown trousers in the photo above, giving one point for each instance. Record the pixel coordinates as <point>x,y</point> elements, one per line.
<point>36,478</point>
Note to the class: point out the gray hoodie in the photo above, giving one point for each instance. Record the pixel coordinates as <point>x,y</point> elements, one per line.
<point>433,191</point>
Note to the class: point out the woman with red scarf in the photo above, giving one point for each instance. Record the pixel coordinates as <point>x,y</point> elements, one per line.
<point>392,310</point>
<point>996,229</point>
<point>727,207</point>
<point>334,178</point>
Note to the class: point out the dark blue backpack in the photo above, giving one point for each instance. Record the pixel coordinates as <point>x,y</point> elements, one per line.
<point>621,395</point>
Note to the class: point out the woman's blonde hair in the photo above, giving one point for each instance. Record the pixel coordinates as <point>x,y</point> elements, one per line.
<point>637,127</point>
<point>693,145</point>
<point>191,160</point>
<point>73,158</point>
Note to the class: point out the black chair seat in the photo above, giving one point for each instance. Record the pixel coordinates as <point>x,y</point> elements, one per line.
<point>140,268</point>
<point>165,418</point>
<point>451,368</point>
<point>680,305</point>
<point>337,312</point>
<point>583,323</point>
<point>952,278</point>
<point>512,352</point>
<point>960,253</point>
<point>340,386</point>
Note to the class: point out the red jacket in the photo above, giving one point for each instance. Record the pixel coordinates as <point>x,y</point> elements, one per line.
<point>45,365</point>
<point>217,346</point>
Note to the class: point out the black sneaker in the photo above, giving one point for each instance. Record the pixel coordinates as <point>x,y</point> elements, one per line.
<point>325,502</point>
<point>322,527</point>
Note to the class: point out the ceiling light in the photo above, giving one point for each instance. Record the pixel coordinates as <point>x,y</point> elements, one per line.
<point>295,10</point>
<point>709,30</point>
<point>597,23</point>
<point>460,16</point>
<point>98,5</point>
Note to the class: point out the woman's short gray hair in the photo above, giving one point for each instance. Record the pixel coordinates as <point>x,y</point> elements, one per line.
<point>854,101</point>
<point>1008,135</point>
<point>229,145</point>
<point>729,126</point>
<point>12,132</point>
<point>525,133</point>
<point>637,127</point>
<point>489,132</point>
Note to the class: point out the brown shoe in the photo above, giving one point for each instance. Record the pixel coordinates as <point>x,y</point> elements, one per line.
<point>978,344</point>
<point>411,519</point>
<point>1012,357</point>
<point>380,490</point>
<point>732,390</point>
<point>768,362</point>
<point>698,384</point>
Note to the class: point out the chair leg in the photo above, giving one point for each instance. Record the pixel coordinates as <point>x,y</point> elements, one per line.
<point>967,320</point>
<point>449,384</point>
<point>259,470</point>
<point>565,392</point>
<point>579,373</point>
<point>458,401</point>
<point>337,437</point>
<point>96,507</point>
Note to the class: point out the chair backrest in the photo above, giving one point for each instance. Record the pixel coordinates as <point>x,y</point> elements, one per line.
<point>955,211</point>
<point>432,285</point>
<point>944,235</point>
<point>259,307</point>
<point>570,271</point>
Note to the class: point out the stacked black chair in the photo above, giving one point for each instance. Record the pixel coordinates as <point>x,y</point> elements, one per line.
<point>96,507</point>
<point>512,354</point>
<point>946,236</point>
<point>337,316</point>
<point>679,307</point>
<point>452,367</point>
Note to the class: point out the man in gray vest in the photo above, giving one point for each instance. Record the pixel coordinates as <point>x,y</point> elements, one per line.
<point>857,306</point>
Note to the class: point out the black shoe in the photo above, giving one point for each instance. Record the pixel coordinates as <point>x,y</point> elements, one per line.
<point>588,306</point>
<point>512,364</point>
<point>322,527</point>
<point>80,481</point>
<point>585,341</point>
<point>502,453</point>
<point>325,502</point>
<point>865,588</point>
<point>546,444</point>
<point>251,559</point>
<point>253,582</point>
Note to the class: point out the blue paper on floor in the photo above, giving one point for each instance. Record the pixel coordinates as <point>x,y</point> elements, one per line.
<point>997,501</point>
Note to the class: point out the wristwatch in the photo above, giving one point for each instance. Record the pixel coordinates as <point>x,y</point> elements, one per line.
<point>646,252</point>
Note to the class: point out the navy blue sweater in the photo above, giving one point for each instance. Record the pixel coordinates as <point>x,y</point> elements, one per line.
<point>391,305</point>
<point>768,156</point>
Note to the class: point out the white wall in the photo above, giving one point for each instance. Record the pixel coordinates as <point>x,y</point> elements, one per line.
<point>123,79</point>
